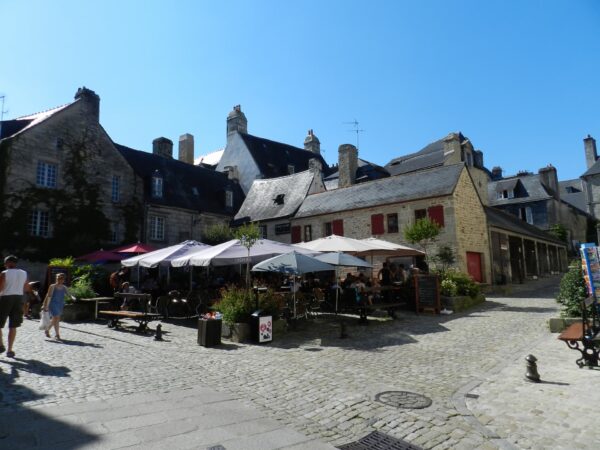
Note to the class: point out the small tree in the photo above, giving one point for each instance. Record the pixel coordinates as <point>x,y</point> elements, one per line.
<point>446,257</point>
<point>559,231</point>
<point>247,234</point>
<point>423,233</point>
<point>217,234</point>
<point>572,291</point>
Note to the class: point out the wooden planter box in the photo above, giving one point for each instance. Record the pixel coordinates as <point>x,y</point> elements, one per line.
<point>238,332</point>
<point>78,312</point>
<point>461,303</point>
<point>558,324</point>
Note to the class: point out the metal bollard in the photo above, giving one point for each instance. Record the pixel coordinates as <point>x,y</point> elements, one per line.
<point>532,372</point>
<point>158,334</point>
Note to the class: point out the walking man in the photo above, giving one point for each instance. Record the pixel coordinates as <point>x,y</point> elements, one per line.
<point>13,285</point>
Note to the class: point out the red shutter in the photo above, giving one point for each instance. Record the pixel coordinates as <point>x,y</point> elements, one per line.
<point>338,227</point>
<point>296,234</point>
<point>377,224</point>
<point>436,214</point>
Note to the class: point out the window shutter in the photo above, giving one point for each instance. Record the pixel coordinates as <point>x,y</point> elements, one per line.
<point>338,227</point>
<point>296,234</point>
<point>377,224</point>
<point>436,214</point>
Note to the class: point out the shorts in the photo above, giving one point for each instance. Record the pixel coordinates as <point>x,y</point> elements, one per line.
<point>11,308</point>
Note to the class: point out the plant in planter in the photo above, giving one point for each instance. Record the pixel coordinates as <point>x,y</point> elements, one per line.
<point>82,288</point>
<point>572,290</point>
<point>236,305</point>
<point>459,291</point>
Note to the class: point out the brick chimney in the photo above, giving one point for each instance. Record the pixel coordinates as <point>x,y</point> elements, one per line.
<point>91,101</point>
<point>163,147</point>
<point>549,179</point>
<point>496,173</point>
<point>315,164</point>
<point>312,143</point>
<point>589,144</point>
<point>186,148</point>
<point>348,163</point>
<point>236,121</point>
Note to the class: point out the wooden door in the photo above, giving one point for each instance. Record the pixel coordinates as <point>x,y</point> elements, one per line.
<point>474,266</point>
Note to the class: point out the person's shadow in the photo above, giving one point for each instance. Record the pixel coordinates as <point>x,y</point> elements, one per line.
<point>36,367</point>
<point>75,343</point>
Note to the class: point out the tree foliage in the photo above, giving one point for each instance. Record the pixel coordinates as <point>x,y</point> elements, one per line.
<point>423,233</point>
<point>248,234</point>
<point>217,234</point>
<point>559,231</point>
<point>572,291</point>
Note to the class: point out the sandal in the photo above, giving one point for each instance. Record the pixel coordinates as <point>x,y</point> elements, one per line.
<point>10,354</point>
<point>47,332</point>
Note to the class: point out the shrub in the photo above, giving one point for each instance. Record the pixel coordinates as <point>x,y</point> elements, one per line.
<point>69,261</point>
<point>464,284</point>
<point>448,288</point>
<point>271,303</point>
<point>82,288</point>
<point>98,276</point>
<point>572,290</point>
<point>236,305</point>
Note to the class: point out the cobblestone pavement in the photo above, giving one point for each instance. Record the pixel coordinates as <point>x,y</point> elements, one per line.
<point>325,387</point>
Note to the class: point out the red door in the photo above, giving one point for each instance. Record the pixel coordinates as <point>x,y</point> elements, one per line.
<point>474,266</point>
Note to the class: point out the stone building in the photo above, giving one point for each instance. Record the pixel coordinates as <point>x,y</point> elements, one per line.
<point>64,187</point>
<point>253,158</point>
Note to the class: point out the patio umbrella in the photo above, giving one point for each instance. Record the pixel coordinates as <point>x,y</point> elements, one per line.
<point>382,246</point>
<point>344,260</point>
<point>164,256</point>
<point>335,243</point>
<point>293,263</point>
<point>135,248</point>
<point>101,256</point>
<point>233,252</point>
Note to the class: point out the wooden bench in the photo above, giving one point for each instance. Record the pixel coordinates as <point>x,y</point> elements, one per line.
<point>584,336</point>
<point>142,318</point>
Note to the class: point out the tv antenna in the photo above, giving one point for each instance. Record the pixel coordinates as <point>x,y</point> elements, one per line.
<point>2,111</point>
<point>356,130</point>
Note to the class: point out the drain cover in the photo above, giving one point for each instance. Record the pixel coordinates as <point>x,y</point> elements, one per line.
<point>403,399</point>
<point>379,441</point>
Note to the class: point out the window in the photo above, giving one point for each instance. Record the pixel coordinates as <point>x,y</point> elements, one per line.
<point>263,231</point>
<point>377,224</point>
<point>279,199</point>
<point>307,233</point>
<point>436,214</point>
<point>282,228</point>
<point>469,159</point>
<point>328,229</point>
<point>420,214</point>
<point>337,226</point>
<point>59,143</point>
<point>510,193</point>
<point>296,234</point>
<point>116,189</point>
<point>526,214</point>
<point>157,185</point>
<point>157,228</point>
<point>114,233</point>
<point>228,199</point>
<point>39,223</point>
<point>392,223</point>
<point>46,174</point>
<point>291,169</point>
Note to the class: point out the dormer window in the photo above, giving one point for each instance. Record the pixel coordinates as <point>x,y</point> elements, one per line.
<point>291,169</point>
<point>157,185</point>
<point>228,199</point>
<point>195,191</point>
<point>59,143</point>
<point>507,193</point>
<point>279,199</point>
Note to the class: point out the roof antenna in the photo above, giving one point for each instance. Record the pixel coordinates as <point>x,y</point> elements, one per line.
<point>356,130</point>
<point>2,111</point>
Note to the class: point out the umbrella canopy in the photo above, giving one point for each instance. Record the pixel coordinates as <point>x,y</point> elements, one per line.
<point>233,252</point>
<point>335,243</point>
<point>135,248</point>
<point>164,256</point>
<point>292,263</point>
<point>381,246</point>
<point>342,259</point>
<point>100,256</point>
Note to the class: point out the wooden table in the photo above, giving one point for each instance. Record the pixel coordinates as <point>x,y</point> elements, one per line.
<point>96,300</point>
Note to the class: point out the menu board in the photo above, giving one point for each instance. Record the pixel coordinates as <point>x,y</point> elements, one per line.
<point>590,265</point>
<point>427,293</point>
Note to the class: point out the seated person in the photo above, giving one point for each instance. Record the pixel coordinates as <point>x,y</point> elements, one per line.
<point>348,281</point>
<point>128,303</point>
<point>362,291</point>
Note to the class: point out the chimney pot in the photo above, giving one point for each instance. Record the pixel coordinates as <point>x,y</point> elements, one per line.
<point>163,147</point>
<point>348,163</point>
<point>186,148</point>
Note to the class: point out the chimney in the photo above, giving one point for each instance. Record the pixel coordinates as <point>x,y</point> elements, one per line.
<point>91,101</point>
<point>496,173</point>
<point>315,164</point>
<point>232,173</point>
<point>163,147</point>
<point>348,163</point>
<point>186,148</point>
<point>452,149</point>
<point>478,159</point>
<point>236,121</point>
<point>312,143</point>
<point>549,179</point>
<point>589,144</point>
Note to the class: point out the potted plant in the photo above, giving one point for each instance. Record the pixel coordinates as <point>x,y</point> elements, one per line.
<point>570,294</point>
<point>459,291</point>
<point>236,306</point>
<point>81,288</point>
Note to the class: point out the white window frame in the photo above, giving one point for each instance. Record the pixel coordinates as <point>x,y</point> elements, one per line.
<point>529,215</point>
<point>228,199</point>
<point>114,233</point>
<point>157,186</point>
<point>46,174</point>
<point>157,228</point>
<point>263,231</point>
<point>115,195</point>
<point>39,223</point>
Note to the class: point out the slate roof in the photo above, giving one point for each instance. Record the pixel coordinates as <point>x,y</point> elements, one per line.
<point>10,128</point>
<point>276,197</point>
<point>435,182</point>
<point>500,219</point>
<point>534,190</point>
<point>184,185</point>
<point>273,158</point>
<point>576,199</point>
<point>594,170</point>
<point>366,171</point>
<point>431,155</point>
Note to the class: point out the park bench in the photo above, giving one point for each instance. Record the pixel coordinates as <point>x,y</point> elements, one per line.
<point>143,318</point>
<point>583,335</point>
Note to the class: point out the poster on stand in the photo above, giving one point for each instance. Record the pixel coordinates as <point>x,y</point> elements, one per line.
<point>590,265</point>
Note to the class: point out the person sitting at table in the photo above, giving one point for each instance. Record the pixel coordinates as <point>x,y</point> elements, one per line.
<point>127,302</point>
<point>362,291</point>
<point>348,281</point>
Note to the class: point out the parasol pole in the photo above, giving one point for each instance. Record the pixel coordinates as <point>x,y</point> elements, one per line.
<point>294,296</point>
<point>337,289</point>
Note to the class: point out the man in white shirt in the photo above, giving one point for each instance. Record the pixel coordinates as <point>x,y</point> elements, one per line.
<point>13,285</point>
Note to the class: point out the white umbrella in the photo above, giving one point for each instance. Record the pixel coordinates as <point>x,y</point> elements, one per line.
<point>293,263</point>
<point>379,245</point>
<point>233,252</point>
<point>335,243</point>
<point>165,255</point>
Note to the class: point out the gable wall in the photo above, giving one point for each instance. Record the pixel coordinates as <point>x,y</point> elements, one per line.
<point>237,154</point>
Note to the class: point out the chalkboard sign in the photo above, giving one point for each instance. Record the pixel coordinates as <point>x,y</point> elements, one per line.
<point>51,276</point>
<point>427,293</point>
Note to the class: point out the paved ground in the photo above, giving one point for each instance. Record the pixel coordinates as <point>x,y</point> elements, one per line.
<point>320,387</point>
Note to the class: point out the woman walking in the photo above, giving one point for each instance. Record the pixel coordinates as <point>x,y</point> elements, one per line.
<point>55,303</point>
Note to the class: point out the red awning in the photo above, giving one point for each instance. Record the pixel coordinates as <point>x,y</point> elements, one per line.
<point>135,248</point>
<point>101,256</point>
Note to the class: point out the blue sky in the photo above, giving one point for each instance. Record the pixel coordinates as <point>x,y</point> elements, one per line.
<point>519,78</point>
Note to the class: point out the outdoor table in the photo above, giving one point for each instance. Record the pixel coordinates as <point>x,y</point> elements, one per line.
<point>96,300</point>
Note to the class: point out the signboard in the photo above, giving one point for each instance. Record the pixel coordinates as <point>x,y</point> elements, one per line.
<point>265,329</point>
<point>590,264</point>
<point>427,293</point>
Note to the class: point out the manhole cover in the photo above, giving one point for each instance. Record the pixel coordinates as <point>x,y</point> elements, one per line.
<point>379,441</point>
<point>403,399</point>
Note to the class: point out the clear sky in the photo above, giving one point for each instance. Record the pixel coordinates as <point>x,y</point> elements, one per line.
<point>519,78</point>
